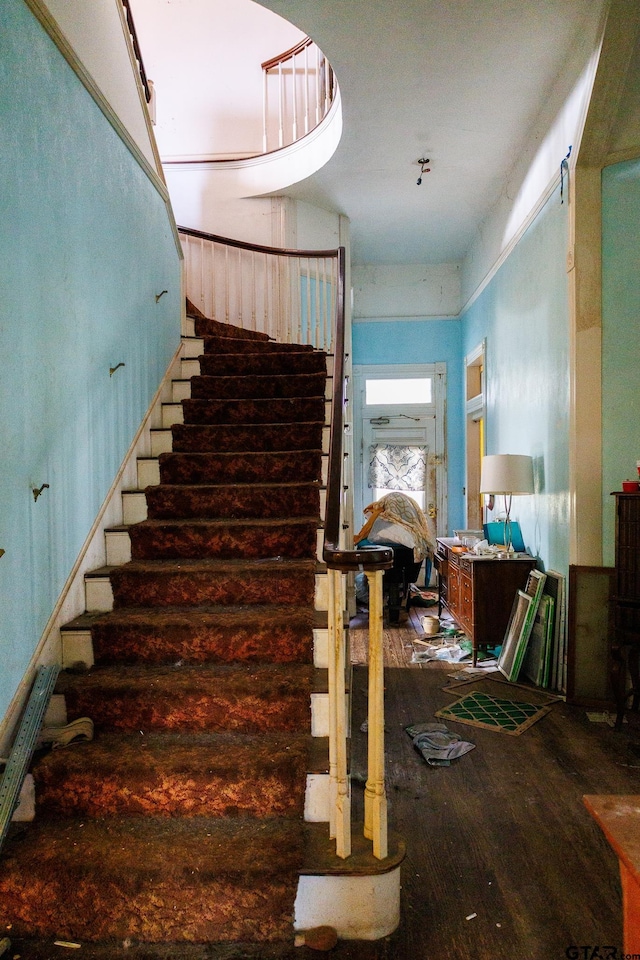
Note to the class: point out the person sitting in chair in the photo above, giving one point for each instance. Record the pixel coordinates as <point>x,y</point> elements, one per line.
<point>397,521</point>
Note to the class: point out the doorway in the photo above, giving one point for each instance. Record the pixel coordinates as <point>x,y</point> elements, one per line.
<point>399,437</point>
<point>475,434</point>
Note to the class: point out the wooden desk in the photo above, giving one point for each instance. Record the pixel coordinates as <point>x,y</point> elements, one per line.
<point>479,592</point>
<point>619,819</point>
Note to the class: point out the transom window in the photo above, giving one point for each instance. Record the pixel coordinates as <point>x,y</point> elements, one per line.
<point>401,391</point>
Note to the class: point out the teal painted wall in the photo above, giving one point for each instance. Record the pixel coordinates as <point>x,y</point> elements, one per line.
<point>620,336</point>
<point>524,315</point>
<point>86,244</point>
<point>424,341</point>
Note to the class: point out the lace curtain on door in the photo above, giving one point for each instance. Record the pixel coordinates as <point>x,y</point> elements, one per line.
<point>397,467</point>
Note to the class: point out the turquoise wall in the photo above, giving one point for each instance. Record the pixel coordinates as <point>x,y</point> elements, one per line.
<point>85,246</point>
<point>424,341</point>
<point>524,315</point>
<point>620,336</point>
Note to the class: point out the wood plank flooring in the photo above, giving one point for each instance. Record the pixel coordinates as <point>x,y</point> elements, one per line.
<point>503,862</point>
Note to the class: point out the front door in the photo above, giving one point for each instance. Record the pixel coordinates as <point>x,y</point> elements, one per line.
<point>400,438</point>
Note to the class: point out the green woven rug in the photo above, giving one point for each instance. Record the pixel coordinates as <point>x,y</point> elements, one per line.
<point>506,716</point>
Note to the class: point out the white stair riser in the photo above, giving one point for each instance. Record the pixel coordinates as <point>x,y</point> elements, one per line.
<point>134,507</point>
<point>192,347</point>
<point>118,547</point>
<point>98,594</point>
<point>172,413</point>
<point>77,647</point>
<point>320,713</point>
<point>189,368</point>
<point>358,908</point>
<point>148,472</point>
<point>316,800</point>
<point>161,442</point>
<point>322,592</point>
<point>180,390</point>
<point>321,648</point>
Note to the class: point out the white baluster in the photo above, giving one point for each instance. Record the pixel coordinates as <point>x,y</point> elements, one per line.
<point>375,800</point>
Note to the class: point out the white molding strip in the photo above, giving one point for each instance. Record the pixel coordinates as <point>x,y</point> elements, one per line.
<point>512,244</point>
<point>422,316</point>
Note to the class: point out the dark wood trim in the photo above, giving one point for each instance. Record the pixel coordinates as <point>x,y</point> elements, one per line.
<point>255,247</point>
<point>136,49</point>
<point>287,55</point>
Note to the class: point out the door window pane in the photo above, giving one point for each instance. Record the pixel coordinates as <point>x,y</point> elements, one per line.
<point>405,390</point>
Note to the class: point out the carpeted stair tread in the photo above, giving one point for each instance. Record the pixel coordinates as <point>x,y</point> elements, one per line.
<point>239,697</point>
<point>182,879</point>
<point>195,582</point>
<point>253,634</point>
<point>246,538</point>
<point>258,387</point>
<point>239,438</point>
<point>273,410</point>
<point>196,538</point>
<point>238,500</point>
<point>165,775</point>
<point>181,821</point>
<point>205,326</point>
<point>225,345</point>
<point>261,364</point>
<point>245,467</point>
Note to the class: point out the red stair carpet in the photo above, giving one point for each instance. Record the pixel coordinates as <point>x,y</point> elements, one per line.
<point>182,822</point>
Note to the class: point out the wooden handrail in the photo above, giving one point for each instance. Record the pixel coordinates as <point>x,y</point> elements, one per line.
<point>335,556</point>
<point>288,54</point>
<point>255,247</point>
<point>136,49</point>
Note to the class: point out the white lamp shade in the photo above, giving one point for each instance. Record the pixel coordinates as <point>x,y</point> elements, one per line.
<point>506,473</point>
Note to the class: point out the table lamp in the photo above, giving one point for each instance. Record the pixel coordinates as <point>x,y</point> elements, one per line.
<point>509,475</point>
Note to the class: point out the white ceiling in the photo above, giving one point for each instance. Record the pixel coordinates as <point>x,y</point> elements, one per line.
<point>458,81</point>
<point>461,82</point>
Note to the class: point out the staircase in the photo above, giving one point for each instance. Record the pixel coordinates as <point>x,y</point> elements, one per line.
<point>182,822</point>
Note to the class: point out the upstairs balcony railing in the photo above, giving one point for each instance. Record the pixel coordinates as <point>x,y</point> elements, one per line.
<point>299,296</point>
<point>299,87</point>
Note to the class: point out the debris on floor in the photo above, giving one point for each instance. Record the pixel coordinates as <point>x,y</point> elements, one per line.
<point>603,716</point>
<point>447,650</point>
<point>437,744</point>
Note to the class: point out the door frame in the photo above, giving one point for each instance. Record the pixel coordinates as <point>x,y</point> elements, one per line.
<point>401,371</point>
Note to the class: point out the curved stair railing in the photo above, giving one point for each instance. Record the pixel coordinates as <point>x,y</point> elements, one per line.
<point>299,296</point>
<point>299,87</point>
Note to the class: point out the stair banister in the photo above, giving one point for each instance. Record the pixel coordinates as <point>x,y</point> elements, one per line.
<point>294,71</point>
<point>339,559</point>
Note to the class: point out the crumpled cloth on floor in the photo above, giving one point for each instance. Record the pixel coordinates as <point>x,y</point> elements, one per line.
<point>438,745</point>
<point>78,731</point>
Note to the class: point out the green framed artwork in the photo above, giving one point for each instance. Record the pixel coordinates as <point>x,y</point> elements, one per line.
<point>525,607</point>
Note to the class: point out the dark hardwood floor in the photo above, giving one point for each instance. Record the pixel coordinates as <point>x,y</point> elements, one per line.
<point>503,860</point>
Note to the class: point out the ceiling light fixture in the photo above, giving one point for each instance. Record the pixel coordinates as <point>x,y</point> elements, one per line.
<point>423,161</point>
